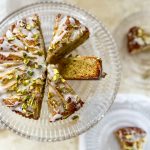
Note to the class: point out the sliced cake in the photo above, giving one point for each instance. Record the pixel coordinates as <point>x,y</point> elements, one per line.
<point>81,67</point>
<point>62,100</point>
<point>68,34</point>
<point>22,67</point>
<point>131,138</point>
<point>138,40</point>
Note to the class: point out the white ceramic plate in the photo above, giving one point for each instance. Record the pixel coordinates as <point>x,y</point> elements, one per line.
<point>136,68</point>
<point>128,110</point>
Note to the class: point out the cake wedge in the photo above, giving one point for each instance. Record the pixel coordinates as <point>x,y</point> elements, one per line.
<point>22,67</point>
<point>68,34</point>
<point>131,138</point>
<point>138,40</point>
<point>62,99</point>
<point>81,67</point>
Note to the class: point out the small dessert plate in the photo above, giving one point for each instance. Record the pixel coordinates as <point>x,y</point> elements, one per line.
<point>128,110</point>
<point>136,67</point>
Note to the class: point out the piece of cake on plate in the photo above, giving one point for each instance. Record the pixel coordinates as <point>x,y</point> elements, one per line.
<point>81,67</point>
<point>131,138</point>
<point>138,40</point>
<point>22,67</point>
<point>68,34</point>
<point>62,100</point>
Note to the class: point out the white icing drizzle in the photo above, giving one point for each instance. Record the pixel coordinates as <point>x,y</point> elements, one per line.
<point>18,43</point>
<point>4,88</point>
<point>18,108</point>
<point>12,69</point>
<point>6,54</point>
<point>139,41</point>
<point>72,21</point>
<point>30,36</point>
<point>30,20</point>
<point>9,34</point>
<point>2,91</point>
<point>14,104</point>
<point>58,37</point>
<point>73,97</point>
<point>6,46</point>
<point>25,31</point>
<point>55,117</point>
<point>62,23</point>
<point>35,31</point>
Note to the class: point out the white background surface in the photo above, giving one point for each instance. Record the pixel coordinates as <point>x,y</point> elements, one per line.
<point>111,13</point>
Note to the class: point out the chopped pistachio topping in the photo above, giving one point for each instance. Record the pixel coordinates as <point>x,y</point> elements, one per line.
<point>24,55</point>
<point>40,53</point>
<point>26,98</point>
<point>26,47</point>
<point>40,66</point>
<point>75,117</point>
<point>13,87</point>
<point>30,102</point>
<point>56,77</point>
<point>23,92</point>
<point>55,71</point>
<point>10,76</point>
<point>65,90</point>
<point>26,61</point>
<point>11,38</point>
<point>36,66</point>
<point>24,107</point>
<point>30,73</point>
<point>31,87</point>
<point>17,77</point>
<point>28,27</point>
<point>34,105</point>
<point>63,80</point>
<point>26,82</point>
<point>36,36</point>
<point>39,81</point>
<point>50,95</point>
<point>54,103</point>
<point>128,136</point>
<point>22,24</point>
<point>140,32</point>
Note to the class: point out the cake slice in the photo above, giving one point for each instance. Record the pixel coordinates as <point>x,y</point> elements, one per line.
<point>81,67</point>
<point>131,138</point>
<point>138,40</point>
<point>22,89</point>
<point>62,100</point>
<point>22,67</point>
<point>24,35</point>
<point>68,34</point>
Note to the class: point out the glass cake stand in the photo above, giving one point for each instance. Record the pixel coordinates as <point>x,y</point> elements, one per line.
<point>97,94</point>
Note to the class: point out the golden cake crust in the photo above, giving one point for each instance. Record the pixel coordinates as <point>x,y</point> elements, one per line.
<point>81,67</point>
